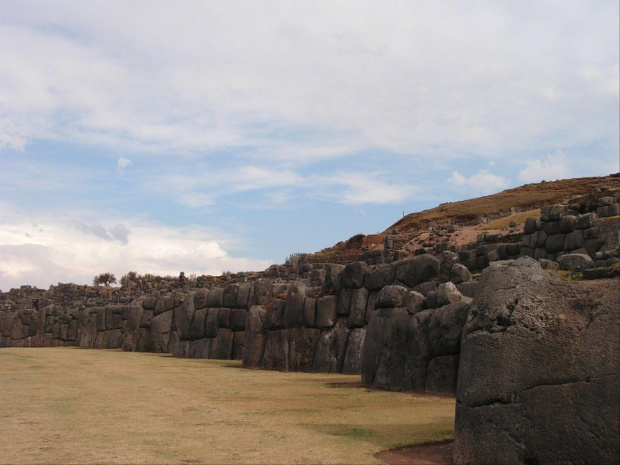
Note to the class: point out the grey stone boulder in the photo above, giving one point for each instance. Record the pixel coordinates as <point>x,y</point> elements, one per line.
<point>255,337</point>
<point>459,274</point>
<point>294,305</point>
<point>416,270</point>
<point>200,298</point>
<point>447,260</point>
<point>447,293</point>
<point>326,307</point>
<point>539,370</point>
<point>302,345</point>
<point>445,327</point>
<point>385,350</point>
<point>276,351</point>
<point>379,276</point>
<point>441,375</point>
<point>331,349</point>
<point>354,274</point>
<point>416,302</point>
<point>353,358</point>
<point>575,262</point>
<point>333,278</point>
<point>392,296</point>
<point>358,305</point>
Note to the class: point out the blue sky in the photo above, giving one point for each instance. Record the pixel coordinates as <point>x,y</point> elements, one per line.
<point>223,136</point>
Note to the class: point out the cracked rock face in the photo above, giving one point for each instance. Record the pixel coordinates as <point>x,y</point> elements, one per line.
<point>539,370</point>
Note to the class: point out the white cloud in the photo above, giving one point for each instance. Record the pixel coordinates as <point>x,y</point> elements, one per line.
<point>481,182</point>
<point>554,166</point>
<point>351,188</point>
<point>56,250</point>
<point>123,163</point>
<point>413,78</point>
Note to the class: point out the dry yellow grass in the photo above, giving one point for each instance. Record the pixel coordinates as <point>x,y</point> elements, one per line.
<point>518,218</point>
<point>64,405</point>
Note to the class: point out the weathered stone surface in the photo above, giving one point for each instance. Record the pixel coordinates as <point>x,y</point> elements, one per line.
<point>550,354</point>
<point>221,346</point>
<point>417,354</point>
<point>238,348</point>
<point>294,305</point>
<point>416,302</point>
<point>459,274</point>
<point>331,348</point>
<point>575,262</point>
<point>353,358</point>
<point>255,337</point>
<point>160,332</point>
<point>379,276</point>
<point>441,375</point>
<point>230,295</point>
<point>392,296</point>
<point>554,244</point>
<point>359,303</point>
<point>447,293</point>
<point>200,297</point>
<point>200,348</point>
<point>276,351</point>
<point>553,212</point>
<point>326,311</point>
<point>445,328</point>
<point>417,270</point>
<point>237,319</point>
<point>212,322</point>
<point>274,315</point>
<point>354,274</point>
<point>163,304</point>
<point>344,302</point>
<point>197,326</point>
<point>180,349</point>
<point>385,349</point>
<point>447,260</point>
<point>148,303</point>
<point>302,342</point>
<point>333,278</point>
<point>186,315</point>
<point>309,319</point>
<point>215,298</point>
<point>244,294</point>
<point>223,318</point>
<point>263,291</point>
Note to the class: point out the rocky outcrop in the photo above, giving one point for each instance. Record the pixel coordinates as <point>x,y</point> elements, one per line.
<point>538,380</point>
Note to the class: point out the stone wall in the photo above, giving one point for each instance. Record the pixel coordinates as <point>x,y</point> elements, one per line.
<point>539,375</point>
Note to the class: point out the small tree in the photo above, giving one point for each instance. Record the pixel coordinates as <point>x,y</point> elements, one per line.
<point>96,281</point>
<point>105,278</point>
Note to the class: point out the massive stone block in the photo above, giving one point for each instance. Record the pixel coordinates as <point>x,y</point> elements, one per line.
<point>417,270</point>
<point>255,337</point>
<point>353,275</point>
<point>326,311</point>
<point>550,355</point>
<point>331,348</point>
<point>353,359</point>
<point>385,349</point>
<point>302,343</point>
<point>276,356</point>
<point>294,305</point>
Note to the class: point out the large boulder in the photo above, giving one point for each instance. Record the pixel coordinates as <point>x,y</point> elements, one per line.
<point>385,350</point>
<point>539,370</point>
<point>417,270</point>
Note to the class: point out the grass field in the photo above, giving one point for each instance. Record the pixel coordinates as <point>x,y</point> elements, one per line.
<point>67,405</point>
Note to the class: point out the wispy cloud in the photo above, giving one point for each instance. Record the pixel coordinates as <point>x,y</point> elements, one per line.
<point>554,166</point>
<point>482,182</point>
<point>123,163</point>
<point>64,250</point>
